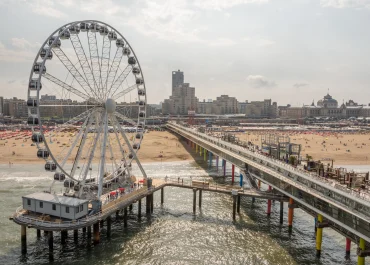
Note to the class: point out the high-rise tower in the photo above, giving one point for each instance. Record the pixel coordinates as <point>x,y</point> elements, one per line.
<point>177,80</point>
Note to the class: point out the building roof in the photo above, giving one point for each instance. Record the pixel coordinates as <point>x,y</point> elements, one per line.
<point>53,198</point>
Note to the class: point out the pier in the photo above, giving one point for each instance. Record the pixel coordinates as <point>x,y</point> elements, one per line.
<point>330,203</point>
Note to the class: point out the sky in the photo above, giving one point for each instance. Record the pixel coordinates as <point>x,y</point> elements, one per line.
<point>290,51</point>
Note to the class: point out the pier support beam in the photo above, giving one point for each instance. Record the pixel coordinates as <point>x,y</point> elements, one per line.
<point>210,159</point>
<point>38,233</point>
<point>259,184</point>
<point>130,207</point>
<point>217,163</point>
<point>117,214</point>
<point>50,240</point>
<point>84,230</point>
<point>200,199</point>
<point>109,224</point>
<point>281,212</point>
<point>319,236</point>
<point>290,214</point>
<point>224,166</point>
<point>24,239</point>
<point>148,204</point>
<point>125,217</point>
<point>96,231</point>
<point>238,204</point>
<point>152,203</point>
<point>75,234</point>
<point>196,148</point>
<point>205,155</point>
<point>194,201</point>
<point>232,173</point>
<point>360,258</point>
<point>234,207</point>
<point>200,150</point>
<point>241,180</point>
<point>63,236</point>
<point>269,204</point>
<point>89,231</point>
<point>162,195</point>
<point>348,248</point>
<point>139,209</point>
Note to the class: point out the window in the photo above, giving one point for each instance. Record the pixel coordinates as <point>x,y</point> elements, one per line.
<point>54,207</point>
<point>28,202</point>
<point>81,208</point>
<point>67,209</point>
<point>41,204</point>
<point>77,209</point>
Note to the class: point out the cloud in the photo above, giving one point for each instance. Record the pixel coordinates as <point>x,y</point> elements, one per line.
<point>46,8</point>
<point>224,4</point>
<point>259,81</point>
<point>358,4</point>
<point>22,43</point>
<point>222,42</point>
<point>11,81</point>
<point>10,55</point>
<point>258,41</point>
<point>299,85</point>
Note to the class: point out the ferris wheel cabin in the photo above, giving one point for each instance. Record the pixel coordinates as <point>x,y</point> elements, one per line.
<point>43,153</point>
<point>84,26</point>
<point>112,36</point>
<point>33,120</point>
<point>94,27</point>
<point>50,166</point>
<point>120,43</point>
<point>37,138</point>
<point>126,51</point>
<point>34,84</point>
<point>74,29</point>
<point>59,176</point>
<point>139,81</point>
<point>54,42</point>
<point>135,71</point>
<point>31,102</point>
<point>37,68</point>
<point>43,53</point>
<point>103,31</point>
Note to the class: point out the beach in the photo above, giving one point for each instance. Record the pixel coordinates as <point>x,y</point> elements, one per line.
<point>343,147</point>
<point>160,146</point>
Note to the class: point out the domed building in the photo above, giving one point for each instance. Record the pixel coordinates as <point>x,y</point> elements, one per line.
<point>327,102</point>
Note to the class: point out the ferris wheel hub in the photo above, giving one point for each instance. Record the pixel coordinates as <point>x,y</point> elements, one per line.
<point>110,105</point>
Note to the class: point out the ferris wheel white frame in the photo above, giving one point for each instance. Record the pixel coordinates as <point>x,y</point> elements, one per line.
<point>100,99</point>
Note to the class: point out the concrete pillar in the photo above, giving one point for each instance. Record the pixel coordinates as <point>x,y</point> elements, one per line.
<point>210,159</point>
<point>290,214</point>
<point>38,233</point>
<point>232,173</point>
<point>281,212</point>
<point>109,224</point>
<point>241,180</point>
<point>139,209</point>
<point>217,163</point>
<point>224,166</point>
<point>162,195</point>
<point>125,217</point>
<point>269,204</point>
<point>63,236</point>
<point>348,248</point>
<point>200,198</point>
<point>319,236</point>
<point>194,201</point>
<point>75,234</point>
<point>148,203</point>
<point>130,207</point>
<point>361,246</point>
<point>24,239</point>
<point>96,231</point>
<point>50,241</point>
<point>238,204</point>
<point>234,207</point>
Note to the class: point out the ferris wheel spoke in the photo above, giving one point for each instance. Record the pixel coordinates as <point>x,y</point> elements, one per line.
<point>82,145</point>
<point>114,68</point>
<point>115,129</point>
<point>94,60</point>
<point>72,69</point>
<point>104,64</point>
<point>124,136</point>
<point>123,117</point>
<point>83,130</point>
<point>102,159</point>
<point>124,92</point>
<point>118,82</point>
<point>84,63</point>
<point>66,86</point>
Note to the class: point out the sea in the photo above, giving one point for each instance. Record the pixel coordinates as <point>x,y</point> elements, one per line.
<point>172,234</point>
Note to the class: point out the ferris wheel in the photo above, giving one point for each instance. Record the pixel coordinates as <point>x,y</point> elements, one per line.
<point>98,89</point>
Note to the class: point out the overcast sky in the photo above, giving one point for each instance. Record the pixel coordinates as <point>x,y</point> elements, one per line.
<point>291,51</point>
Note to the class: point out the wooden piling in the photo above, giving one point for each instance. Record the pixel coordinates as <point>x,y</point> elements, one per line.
<point>194,201</point>
<point>24,239</point>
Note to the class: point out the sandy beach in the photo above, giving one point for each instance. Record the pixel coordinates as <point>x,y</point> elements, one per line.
<point>344,148</point>
<point>156,146</point>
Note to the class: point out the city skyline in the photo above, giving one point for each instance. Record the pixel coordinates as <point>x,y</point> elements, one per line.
<point>249,49</point>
